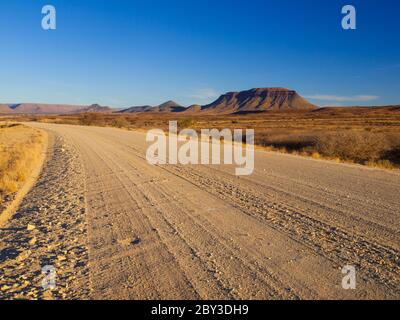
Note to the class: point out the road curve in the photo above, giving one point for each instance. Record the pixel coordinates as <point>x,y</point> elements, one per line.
<point>199,232</point>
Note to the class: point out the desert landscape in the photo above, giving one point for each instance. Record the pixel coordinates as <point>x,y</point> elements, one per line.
<point>200,158</point>
<point>325,188</point>
<point>284,122</point>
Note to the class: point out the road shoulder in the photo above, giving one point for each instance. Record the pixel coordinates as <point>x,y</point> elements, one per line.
<point>48,229</point>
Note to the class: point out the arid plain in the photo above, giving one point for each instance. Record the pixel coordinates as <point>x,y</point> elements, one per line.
<point>116,227</point>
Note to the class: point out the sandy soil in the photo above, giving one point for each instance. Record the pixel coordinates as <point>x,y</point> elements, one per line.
<point>117,228</point>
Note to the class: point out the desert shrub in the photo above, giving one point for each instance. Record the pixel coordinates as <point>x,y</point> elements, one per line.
<point>186,123</point>
<point>92,119</point>
<point>393,155</point>
<point>379,149</point>
<point>289,142</point>
<point>355,146</point>
<point>120,122</point>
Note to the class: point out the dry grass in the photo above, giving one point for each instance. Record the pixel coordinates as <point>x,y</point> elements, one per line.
<point>369,136</point>
<point>20,148</point>
<point>380,149</point>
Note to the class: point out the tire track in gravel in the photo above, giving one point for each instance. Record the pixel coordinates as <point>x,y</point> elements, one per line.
<point>385,222</point>
<point>273,286</point>
<point>329,241</point>
<point>192,231</point>
<point>115,242</point>
<point>377,261</point>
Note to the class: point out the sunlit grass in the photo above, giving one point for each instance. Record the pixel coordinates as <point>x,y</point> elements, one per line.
<point>20,149</point>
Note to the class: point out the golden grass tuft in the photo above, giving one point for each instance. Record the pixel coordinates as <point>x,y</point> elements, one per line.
<point>20,150</point>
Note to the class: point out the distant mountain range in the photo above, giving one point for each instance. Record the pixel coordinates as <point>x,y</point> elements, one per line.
<point>243,102</point>
<point>254,100</point>
<point>42,108</point>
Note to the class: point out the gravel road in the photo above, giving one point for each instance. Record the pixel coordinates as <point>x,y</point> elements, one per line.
<point>115,227</point>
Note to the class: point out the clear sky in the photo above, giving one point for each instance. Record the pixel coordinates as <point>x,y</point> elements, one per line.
<point>125,53</point>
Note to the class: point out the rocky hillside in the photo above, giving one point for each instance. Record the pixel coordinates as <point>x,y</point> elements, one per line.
<point>166,107</point>
<point>261,99</point>
<point>96,108</point>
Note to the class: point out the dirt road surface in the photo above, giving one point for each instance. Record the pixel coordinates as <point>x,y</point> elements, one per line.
<point>115,227</point>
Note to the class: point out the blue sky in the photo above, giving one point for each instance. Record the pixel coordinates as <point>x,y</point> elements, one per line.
<point>124,53</point>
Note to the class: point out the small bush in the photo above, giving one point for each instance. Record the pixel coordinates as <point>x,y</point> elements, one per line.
<point>186,123</point>
<point>393,155</point>
<point>92,119</point>
<point>359,147</point>
<point>120,122</point>
<point>289,142</point>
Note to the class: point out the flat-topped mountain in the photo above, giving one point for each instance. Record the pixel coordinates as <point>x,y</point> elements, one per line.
<point>259,99</point>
